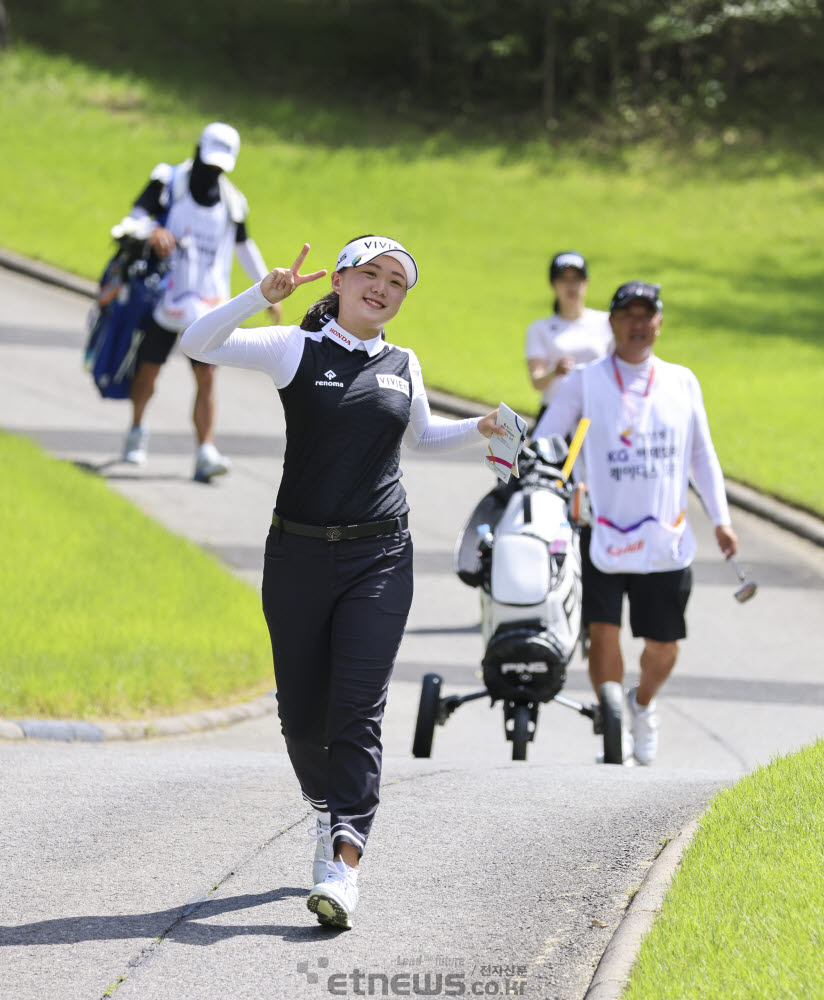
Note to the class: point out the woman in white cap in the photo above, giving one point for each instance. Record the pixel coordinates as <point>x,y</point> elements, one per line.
<point>572,335</point>
<point>337,582</point>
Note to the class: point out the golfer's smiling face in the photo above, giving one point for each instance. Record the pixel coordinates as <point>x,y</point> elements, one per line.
<point>370,295</point>
<point>636,328</point>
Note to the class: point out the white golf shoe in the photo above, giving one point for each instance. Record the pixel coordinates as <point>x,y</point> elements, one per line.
<point>644,728</point>
<point>136,445</point>
<point>209,463</point>
<point>334,899</point>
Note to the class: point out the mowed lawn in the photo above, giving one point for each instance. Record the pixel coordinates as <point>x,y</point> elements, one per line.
<point>105,614</point>
<point>744,916</point>
<point>729,226</point>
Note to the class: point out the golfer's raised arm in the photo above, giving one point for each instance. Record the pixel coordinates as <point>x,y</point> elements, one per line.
<point>205,339</point>
<point>281,282</point>
<point>219,326</point>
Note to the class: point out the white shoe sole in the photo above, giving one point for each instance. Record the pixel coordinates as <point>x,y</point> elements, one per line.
<point>328,910</point>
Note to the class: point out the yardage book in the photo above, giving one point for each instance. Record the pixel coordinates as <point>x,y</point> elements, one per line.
<point>502,453</point>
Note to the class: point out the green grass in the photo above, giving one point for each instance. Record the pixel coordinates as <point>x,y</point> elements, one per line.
<point>728,224</point>
<point>107,615</point>
<point>744,917</point>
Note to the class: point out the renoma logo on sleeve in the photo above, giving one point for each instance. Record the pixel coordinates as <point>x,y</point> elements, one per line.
<point>329,376</point>
<point>393,382</point>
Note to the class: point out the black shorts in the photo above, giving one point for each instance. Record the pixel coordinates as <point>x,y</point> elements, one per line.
<point>157,344</point>
<point>657,601</point>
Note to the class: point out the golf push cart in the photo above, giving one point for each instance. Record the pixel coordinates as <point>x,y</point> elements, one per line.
<point>520,548</point>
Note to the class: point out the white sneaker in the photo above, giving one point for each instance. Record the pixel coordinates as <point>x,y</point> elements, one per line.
<point>644,728</point>
<point>321,836</point>
<point>136,445</point>
<point>209,462</point>
<point>334,899</point>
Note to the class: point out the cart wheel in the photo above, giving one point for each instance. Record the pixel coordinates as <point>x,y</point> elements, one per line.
<point>612,714</point>
<point>427,715</point>
<point>520,731</point>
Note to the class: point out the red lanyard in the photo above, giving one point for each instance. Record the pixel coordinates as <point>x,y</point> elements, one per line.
<point>620,381</point>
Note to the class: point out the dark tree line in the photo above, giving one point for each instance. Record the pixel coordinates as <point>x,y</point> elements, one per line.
<point>543,59</point>
<point>588,55</point>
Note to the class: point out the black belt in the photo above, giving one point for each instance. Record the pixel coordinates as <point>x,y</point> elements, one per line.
<point>336,532</point>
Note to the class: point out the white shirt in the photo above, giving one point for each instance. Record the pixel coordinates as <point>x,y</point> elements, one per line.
<point>649,430</point>
<point>586,339</point>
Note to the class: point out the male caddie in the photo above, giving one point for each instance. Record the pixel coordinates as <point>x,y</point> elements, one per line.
<point>649,431</point>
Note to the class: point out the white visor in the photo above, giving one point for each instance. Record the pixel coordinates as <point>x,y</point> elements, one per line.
<point>361,251</point>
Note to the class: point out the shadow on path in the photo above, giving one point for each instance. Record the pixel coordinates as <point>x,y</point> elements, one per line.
<point>185,924</point>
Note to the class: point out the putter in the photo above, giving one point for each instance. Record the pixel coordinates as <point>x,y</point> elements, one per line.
<point>747,589</point>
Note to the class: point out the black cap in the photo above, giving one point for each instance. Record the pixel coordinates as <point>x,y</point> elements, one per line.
<point>569,258</point>
<point>632,290</point>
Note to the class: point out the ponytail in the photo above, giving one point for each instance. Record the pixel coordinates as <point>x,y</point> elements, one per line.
<point>318,314</point>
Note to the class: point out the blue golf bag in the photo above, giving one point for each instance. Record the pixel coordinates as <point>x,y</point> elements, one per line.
<point>130,288</point>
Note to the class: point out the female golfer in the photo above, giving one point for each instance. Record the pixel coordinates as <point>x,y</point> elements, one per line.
<point>337,581</point>
<point>572,335</point>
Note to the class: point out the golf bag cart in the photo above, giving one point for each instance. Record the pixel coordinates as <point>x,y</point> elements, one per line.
<point>520,548</point>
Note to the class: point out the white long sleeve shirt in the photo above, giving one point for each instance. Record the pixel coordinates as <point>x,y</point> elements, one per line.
<point>649,430</point>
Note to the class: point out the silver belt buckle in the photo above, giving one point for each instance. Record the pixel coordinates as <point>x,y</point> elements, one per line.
<point>333,534</point>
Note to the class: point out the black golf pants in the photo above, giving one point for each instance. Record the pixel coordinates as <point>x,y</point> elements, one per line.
<point>336,613</point>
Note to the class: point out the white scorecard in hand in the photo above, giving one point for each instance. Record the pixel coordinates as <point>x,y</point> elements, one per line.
<point>502,454</point>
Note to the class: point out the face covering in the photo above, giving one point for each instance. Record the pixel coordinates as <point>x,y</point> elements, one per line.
<point>203,182</point>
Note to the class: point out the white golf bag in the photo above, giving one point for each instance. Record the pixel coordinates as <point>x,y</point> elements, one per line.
<point>520,548</point>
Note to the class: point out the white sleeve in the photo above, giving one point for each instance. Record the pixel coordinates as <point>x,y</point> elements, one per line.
<point>216,339</point>
<point>251,260</point>
<point>536,345</point>
<point>565,410</point>
<point>427,432</point>
<point>706,469</point>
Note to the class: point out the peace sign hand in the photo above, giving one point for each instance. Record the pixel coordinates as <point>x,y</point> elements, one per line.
<point>281,282</point>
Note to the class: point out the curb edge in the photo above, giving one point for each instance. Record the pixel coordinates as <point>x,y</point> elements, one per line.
<point>620,955</point>
<point>71,731</point>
